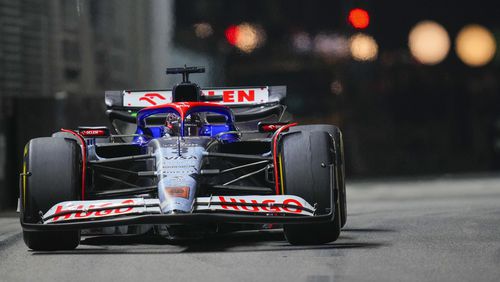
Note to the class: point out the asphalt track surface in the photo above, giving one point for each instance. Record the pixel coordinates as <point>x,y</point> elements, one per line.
<point>444,229</point>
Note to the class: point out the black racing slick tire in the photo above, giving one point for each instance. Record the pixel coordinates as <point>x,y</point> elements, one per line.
<point>308,171</point>
<point>339,161</point>
<point>51,174</point>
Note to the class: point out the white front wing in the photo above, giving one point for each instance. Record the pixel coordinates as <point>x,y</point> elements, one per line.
<point>98,209</point>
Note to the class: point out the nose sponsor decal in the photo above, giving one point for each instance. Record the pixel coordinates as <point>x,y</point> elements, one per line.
<point>179,192</point>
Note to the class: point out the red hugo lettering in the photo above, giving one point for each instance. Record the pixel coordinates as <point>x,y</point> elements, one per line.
<point>237,207</point>
<point>268,208</point>
<point>288,202</point>
<point>78,213</point>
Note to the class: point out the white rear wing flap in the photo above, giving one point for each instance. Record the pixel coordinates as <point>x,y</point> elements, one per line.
<point>230,96</point>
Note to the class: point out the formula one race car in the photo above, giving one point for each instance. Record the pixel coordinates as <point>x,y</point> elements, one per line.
<point>184,163</point>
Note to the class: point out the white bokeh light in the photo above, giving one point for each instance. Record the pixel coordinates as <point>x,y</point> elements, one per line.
<point>429,42</point>
<point>363,47</point>
<point>249,37</point>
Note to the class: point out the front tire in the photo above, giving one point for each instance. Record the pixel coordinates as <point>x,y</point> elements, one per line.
<point>307,158</point>
<point>51,174</point>
<point>339,159</point>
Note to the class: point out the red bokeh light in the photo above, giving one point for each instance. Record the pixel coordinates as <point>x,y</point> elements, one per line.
<point>359,18</point>
<point>232,34</point>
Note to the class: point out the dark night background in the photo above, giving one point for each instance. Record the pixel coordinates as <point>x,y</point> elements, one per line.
<point>399,117</point>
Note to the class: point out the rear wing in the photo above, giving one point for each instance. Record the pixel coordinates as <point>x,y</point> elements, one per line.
<point>247,103</point>
<point>229,96</point>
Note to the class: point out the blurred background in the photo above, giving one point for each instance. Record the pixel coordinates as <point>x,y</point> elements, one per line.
<point>412,84</point>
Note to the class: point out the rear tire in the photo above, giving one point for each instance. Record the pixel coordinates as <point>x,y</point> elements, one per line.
<point>54,176</point>
<point>306,159</point>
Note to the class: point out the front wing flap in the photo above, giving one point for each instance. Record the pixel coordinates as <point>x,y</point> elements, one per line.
<point>281,204</point>
<point>92,210</point>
